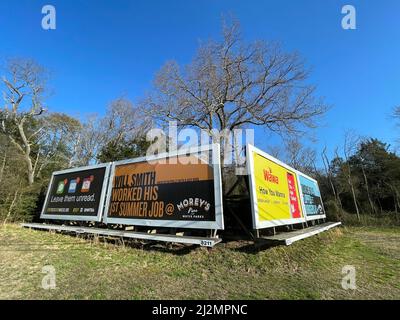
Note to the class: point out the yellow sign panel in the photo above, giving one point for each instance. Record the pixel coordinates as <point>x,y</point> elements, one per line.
<point>276,191</point>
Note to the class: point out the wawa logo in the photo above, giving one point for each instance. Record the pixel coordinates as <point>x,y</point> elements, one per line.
<point>268,176</point>
<point>193,205</point>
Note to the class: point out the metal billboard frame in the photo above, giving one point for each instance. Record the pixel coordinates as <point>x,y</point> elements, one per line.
<point>257,224</point>
<point>88,218</point>
<point>218,224</point>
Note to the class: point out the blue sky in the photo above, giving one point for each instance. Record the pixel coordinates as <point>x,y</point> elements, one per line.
<point>104,49</point>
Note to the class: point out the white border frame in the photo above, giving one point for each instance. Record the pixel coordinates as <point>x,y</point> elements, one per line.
<point>218,224</point>
<point>311,217</point>
<point>96,218</point>
<point>257,224</point>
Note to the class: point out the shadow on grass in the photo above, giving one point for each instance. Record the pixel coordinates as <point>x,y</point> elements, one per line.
<point>249,246</point>
<point>257,247</point>
<point>173,248</point>
<point>241,244</point>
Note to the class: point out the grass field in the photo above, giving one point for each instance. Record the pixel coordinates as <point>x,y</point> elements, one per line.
<point>93,269</point>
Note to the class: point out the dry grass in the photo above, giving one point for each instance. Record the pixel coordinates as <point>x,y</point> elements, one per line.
<point>94,269</point>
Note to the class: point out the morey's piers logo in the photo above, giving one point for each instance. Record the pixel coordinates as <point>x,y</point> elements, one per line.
<point>192,206</point>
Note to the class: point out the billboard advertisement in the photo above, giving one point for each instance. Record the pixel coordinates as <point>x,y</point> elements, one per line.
<point>178,189</point>
<point>274,190</point>
<point>77,194</point>
<point>312,201</point>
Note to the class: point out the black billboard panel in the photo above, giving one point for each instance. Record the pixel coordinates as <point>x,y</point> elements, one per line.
<point>77,194</point>
<point>177,190</point>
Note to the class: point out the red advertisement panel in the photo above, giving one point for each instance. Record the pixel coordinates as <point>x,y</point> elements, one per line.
<point>294,199</point>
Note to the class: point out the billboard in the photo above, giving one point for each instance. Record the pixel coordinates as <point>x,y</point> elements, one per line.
<point>311,196</point>
<point>77,194</point>
<point>180,189</point>
<point>274,191</point>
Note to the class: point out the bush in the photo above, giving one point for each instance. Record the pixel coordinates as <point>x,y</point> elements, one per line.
<point>333,212</point>
<point>20,203</point>
<point>387,219</point>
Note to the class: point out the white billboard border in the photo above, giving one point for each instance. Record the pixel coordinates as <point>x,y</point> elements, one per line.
<point>88,218</point>
<point>218,224</point>
<point>257,224</point>
<point>311,217</point>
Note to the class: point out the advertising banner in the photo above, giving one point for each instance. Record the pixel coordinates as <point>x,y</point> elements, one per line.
<point>170,190</point>
<point>77,194</point>
<point>312,201</point>
<point>274,191</point>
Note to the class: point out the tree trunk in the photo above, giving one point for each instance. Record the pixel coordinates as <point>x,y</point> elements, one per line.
<point>3,165</point>
<point>350,182</point>
<point>355,200</point>
<point>380,205</point>
<point>325,161</point>
<point>352,191</point>
<point>367,189</point>
<point>27,153</point>
<point>31,173</point>
<point>12,205</point>
<point>396,199</point>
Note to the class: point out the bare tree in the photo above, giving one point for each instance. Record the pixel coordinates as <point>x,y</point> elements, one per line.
<point>275,151</point>
<point>24,85</point>
<point>231,84</point>
<point>371,203</point>
<point>366,183</point>
<point>300,157</point>
<point>329,174</point>
<point>12,206</point>
<point>87,142</point>
<point>122,120</point>
<point>350,142</point>
<point>396,115</point>
<point>57,141</point>
<point>396,112</point>
<point>3,165</point>
<point>396,195</point>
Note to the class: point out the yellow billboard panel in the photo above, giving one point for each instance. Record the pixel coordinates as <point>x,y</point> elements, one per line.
<point>275,191</point>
